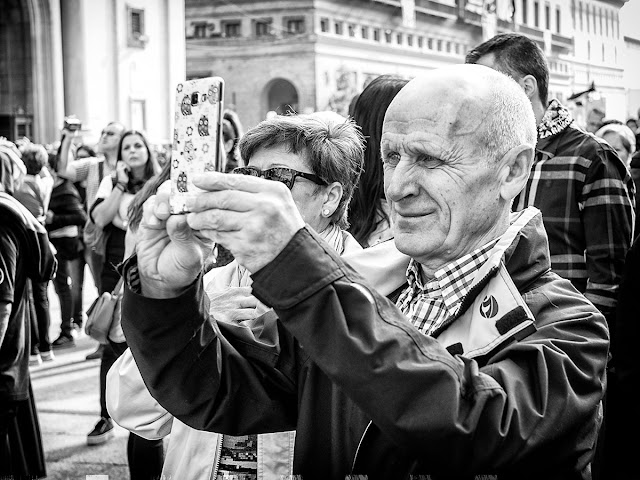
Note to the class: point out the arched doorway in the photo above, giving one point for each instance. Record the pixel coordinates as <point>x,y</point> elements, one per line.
<point>281,96</point>
<point>16,79</point>
<point>31,93</point>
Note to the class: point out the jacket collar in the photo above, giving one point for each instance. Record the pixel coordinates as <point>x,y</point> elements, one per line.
<point>523,250</point>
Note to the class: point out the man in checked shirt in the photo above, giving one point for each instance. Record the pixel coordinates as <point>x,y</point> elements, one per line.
<point>583,189</point>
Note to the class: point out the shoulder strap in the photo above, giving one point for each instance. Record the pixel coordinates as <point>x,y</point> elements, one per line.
<point>118,286</point>
<point>100,170</point>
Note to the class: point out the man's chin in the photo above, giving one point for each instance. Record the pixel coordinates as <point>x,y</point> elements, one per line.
<point>413,245</point>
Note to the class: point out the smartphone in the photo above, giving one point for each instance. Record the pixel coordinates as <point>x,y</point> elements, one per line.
<point>197,136</point>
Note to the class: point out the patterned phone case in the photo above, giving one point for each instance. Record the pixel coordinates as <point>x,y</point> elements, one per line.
<point>196,136</point>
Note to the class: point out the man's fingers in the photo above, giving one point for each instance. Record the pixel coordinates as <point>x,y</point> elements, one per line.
<point>238,201</point>
<point>220,220</point>
<point>162,200</point>
<point>214,181</point>
<point>149,218</point>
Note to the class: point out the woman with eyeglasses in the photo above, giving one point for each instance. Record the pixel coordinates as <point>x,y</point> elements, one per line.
<point>319,160</point>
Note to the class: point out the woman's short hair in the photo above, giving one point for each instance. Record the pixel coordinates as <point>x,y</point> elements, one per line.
<point>333,149</point>
<point>34,157</point>
<point>626,135</point>
<point>151,167</point>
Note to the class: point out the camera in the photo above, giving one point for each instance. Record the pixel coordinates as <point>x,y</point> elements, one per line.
<point>72,123</point>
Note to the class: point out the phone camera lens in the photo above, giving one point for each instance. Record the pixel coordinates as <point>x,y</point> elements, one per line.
<point>194,98</point>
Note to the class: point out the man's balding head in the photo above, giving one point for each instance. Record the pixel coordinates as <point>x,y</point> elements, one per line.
<point>472,103</point>
<point>457,145</point>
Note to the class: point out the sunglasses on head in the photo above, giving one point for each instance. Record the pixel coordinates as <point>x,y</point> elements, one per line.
<point>279,174</point>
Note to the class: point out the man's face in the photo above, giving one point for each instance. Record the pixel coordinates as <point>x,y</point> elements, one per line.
<point>594,122</point>
<point>444,199</point>
<point>110,138</point>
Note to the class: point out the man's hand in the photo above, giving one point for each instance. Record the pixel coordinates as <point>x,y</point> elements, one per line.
<point>252,217</point>
<point>170,254</point>
<point>235,304</point>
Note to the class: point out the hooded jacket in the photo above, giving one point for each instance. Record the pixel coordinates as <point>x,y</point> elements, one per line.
<point>35,260</point>
<point>369,394</point>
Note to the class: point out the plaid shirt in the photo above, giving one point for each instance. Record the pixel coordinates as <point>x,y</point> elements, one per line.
<point>586,196</point>
<point>429,304</point>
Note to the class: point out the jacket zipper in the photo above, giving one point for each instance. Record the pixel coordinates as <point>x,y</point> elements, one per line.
<point>218,453</point>
<point>355,457</point>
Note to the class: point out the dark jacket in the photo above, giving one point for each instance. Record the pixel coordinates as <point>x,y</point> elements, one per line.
<point>341,355</point>
<point>586,196</point>
<point>68,210</point>
<point>66,205</point>
<point>25,254</point>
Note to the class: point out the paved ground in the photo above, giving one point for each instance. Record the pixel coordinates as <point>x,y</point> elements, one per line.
<point>67,397</point>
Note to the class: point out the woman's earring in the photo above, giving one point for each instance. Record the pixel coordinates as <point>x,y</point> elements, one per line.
<point>325,212</point>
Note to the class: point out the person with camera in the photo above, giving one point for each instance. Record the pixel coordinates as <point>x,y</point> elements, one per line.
<point>92,170</point>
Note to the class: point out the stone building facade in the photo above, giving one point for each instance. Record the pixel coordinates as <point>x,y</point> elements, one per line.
<point>306,55</point>
<point>101,60</point>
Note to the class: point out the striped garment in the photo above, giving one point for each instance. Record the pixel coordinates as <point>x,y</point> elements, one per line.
<point>429,304</point>
<point>586,196</point>
<point>89,169</point>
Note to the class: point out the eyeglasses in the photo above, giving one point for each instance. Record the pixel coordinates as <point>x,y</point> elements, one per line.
<point>279,174</point>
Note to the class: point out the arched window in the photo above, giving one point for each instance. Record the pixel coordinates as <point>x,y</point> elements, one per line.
<point>281,97</point>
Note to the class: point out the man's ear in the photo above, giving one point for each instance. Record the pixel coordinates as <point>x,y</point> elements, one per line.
<point>530,86</point>
<point>514,171</point>
<point>333,196</point>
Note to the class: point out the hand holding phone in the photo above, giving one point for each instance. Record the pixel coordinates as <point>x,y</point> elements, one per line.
<point>196,136</point>
<point>122,173</point>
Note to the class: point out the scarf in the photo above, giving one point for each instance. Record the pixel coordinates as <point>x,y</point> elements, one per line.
<point>555,119</point>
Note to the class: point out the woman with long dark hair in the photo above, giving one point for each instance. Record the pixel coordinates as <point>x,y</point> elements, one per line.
<point>110,211</point>
<point>368,211</point>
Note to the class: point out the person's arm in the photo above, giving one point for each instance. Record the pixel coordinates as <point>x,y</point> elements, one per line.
<point>536,394</point>
<point>607,198</point>
<point>221,377</point>
<point>131,405</point>
<point>8,255</point>
<point>5,311</point>
<point>47,187</point>
<point>66,165</point>
<point>103,212</point>
<point>59,220</point>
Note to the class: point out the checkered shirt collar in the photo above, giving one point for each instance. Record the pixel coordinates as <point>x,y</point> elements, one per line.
<point>447,289</point>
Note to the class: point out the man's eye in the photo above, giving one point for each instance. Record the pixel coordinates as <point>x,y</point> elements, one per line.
<point>429,161</point>
<point>392,158</point>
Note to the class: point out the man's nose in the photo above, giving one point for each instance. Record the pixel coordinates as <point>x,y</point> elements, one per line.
<point>400,182</point>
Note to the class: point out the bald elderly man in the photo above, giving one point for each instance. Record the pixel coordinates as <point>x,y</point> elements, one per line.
<point>488,364</point>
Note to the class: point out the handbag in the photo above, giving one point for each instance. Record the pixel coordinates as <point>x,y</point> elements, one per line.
<point>95,238</point>
<point>102,312</point>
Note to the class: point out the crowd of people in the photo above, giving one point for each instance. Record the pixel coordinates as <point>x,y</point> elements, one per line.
<point>439,285</point>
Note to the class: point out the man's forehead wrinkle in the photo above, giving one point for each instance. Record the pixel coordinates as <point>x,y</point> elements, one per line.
<point>468,118</point>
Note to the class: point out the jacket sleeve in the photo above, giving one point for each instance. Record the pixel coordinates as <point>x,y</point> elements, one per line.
<point>75,213</point>
<point>532,396</point>
<point>131,405</point>
<point>607,203</point>
<point>191,365</point>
